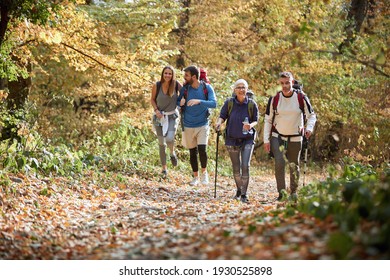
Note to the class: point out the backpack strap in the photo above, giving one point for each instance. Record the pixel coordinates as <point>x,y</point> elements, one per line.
<point>158,85</point>
<point>275,103</point>
<point>300,96</point>
<point>301,103</point>
<point>230,108</point>
<point>185,93</point>
<point>177,86</point>
<point>205,91</point>
<point>251,106</point>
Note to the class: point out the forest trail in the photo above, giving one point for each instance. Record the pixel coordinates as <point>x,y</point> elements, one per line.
<point>152,219</point>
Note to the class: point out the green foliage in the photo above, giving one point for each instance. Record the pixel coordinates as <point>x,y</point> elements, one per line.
<point>340,244</point>
<point>110,54</point>
<point>42,158</point>
<point>16,11</point>
<point>359,203</point>
<point>36,11</point>
<point>8,68</point>
<point>123,149</point>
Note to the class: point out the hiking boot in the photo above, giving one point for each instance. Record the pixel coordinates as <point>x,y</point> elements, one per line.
<point>238,195</point>
<point>205,178</point>
<point>194,182</point>
<point>244,199</point>
<point>164,173</point>
<point>174,160</point>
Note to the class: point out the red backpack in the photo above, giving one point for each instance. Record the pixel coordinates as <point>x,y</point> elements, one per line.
<point>203,76</point>
<point>203,81</point>
<point>300,101</point>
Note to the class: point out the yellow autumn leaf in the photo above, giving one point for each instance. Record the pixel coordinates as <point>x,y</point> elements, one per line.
<point>43,37</point>
<point>57,38</point>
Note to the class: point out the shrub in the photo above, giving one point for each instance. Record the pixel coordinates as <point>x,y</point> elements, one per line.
<point>359,202</point>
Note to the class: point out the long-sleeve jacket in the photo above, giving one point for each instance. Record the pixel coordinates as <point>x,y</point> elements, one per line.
<point>239,111</point>
<point>197,116</point>
<point>288,119</point>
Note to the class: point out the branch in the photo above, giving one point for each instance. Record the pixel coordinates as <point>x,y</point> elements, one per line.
<point>90,57</point>
<point>101,63</point>
<point>366,63</point>
<point>26,43</point>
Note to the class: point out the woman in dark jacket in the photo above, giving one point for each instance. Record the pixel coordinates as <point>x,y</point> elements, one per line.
<point>241,115</point>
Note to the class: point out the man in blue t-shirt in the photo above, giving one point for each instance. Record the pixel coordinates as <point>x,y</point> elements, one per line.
<point>196,98</point>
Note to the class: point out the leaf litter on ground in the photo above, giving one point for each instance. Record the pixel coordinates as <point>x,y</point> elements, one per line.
<point>136,218</point>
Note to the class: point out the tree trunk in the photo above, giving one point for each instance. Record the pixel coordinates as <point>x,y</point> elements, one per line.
<point>18,92</point>
<point>3,22</point>
<point>183,33</point>
<point>356,14</point>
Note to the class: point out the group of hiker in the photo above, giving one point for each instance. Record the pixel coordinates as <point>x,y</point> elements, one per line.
<point>289,118</point>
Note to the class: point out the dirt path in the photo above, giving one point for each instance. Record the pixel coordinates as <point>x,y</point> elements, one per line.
<point>147,219</point>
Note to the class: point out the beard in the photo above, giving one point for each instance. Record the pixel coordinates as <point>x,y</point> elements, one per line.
<point>189,82</point>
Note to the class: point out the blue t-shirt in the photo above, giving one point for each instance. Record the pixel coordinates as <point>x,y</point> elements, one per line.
<point>234,135</point>
<point>197,115</point>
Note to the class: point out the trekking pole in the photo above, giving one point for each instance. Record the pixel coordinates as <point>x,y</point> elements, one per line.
<point>306,146</point>
<point>216,165</point>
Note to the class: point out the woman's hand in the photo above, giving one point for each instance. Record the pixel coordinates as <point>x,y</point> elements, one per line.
<point>158,114</point>
<point>247,126</point>
<point>218,124</point>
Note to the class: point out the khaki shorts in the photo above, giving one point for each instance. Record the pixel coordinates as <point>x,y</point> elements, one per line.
<point>194,136</point>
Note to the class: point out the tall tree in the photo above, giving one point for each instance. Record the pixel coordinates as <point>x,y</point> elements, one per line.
<point>14,72</point>
<point>111,53</point>
<point>357,13</point>
<point>182,32</point>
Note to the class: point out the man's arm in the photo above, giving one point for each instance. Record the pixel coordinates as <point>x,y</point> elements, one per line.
<point>269,114</point>
<point>210,103</point>
<point>310,116</point>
